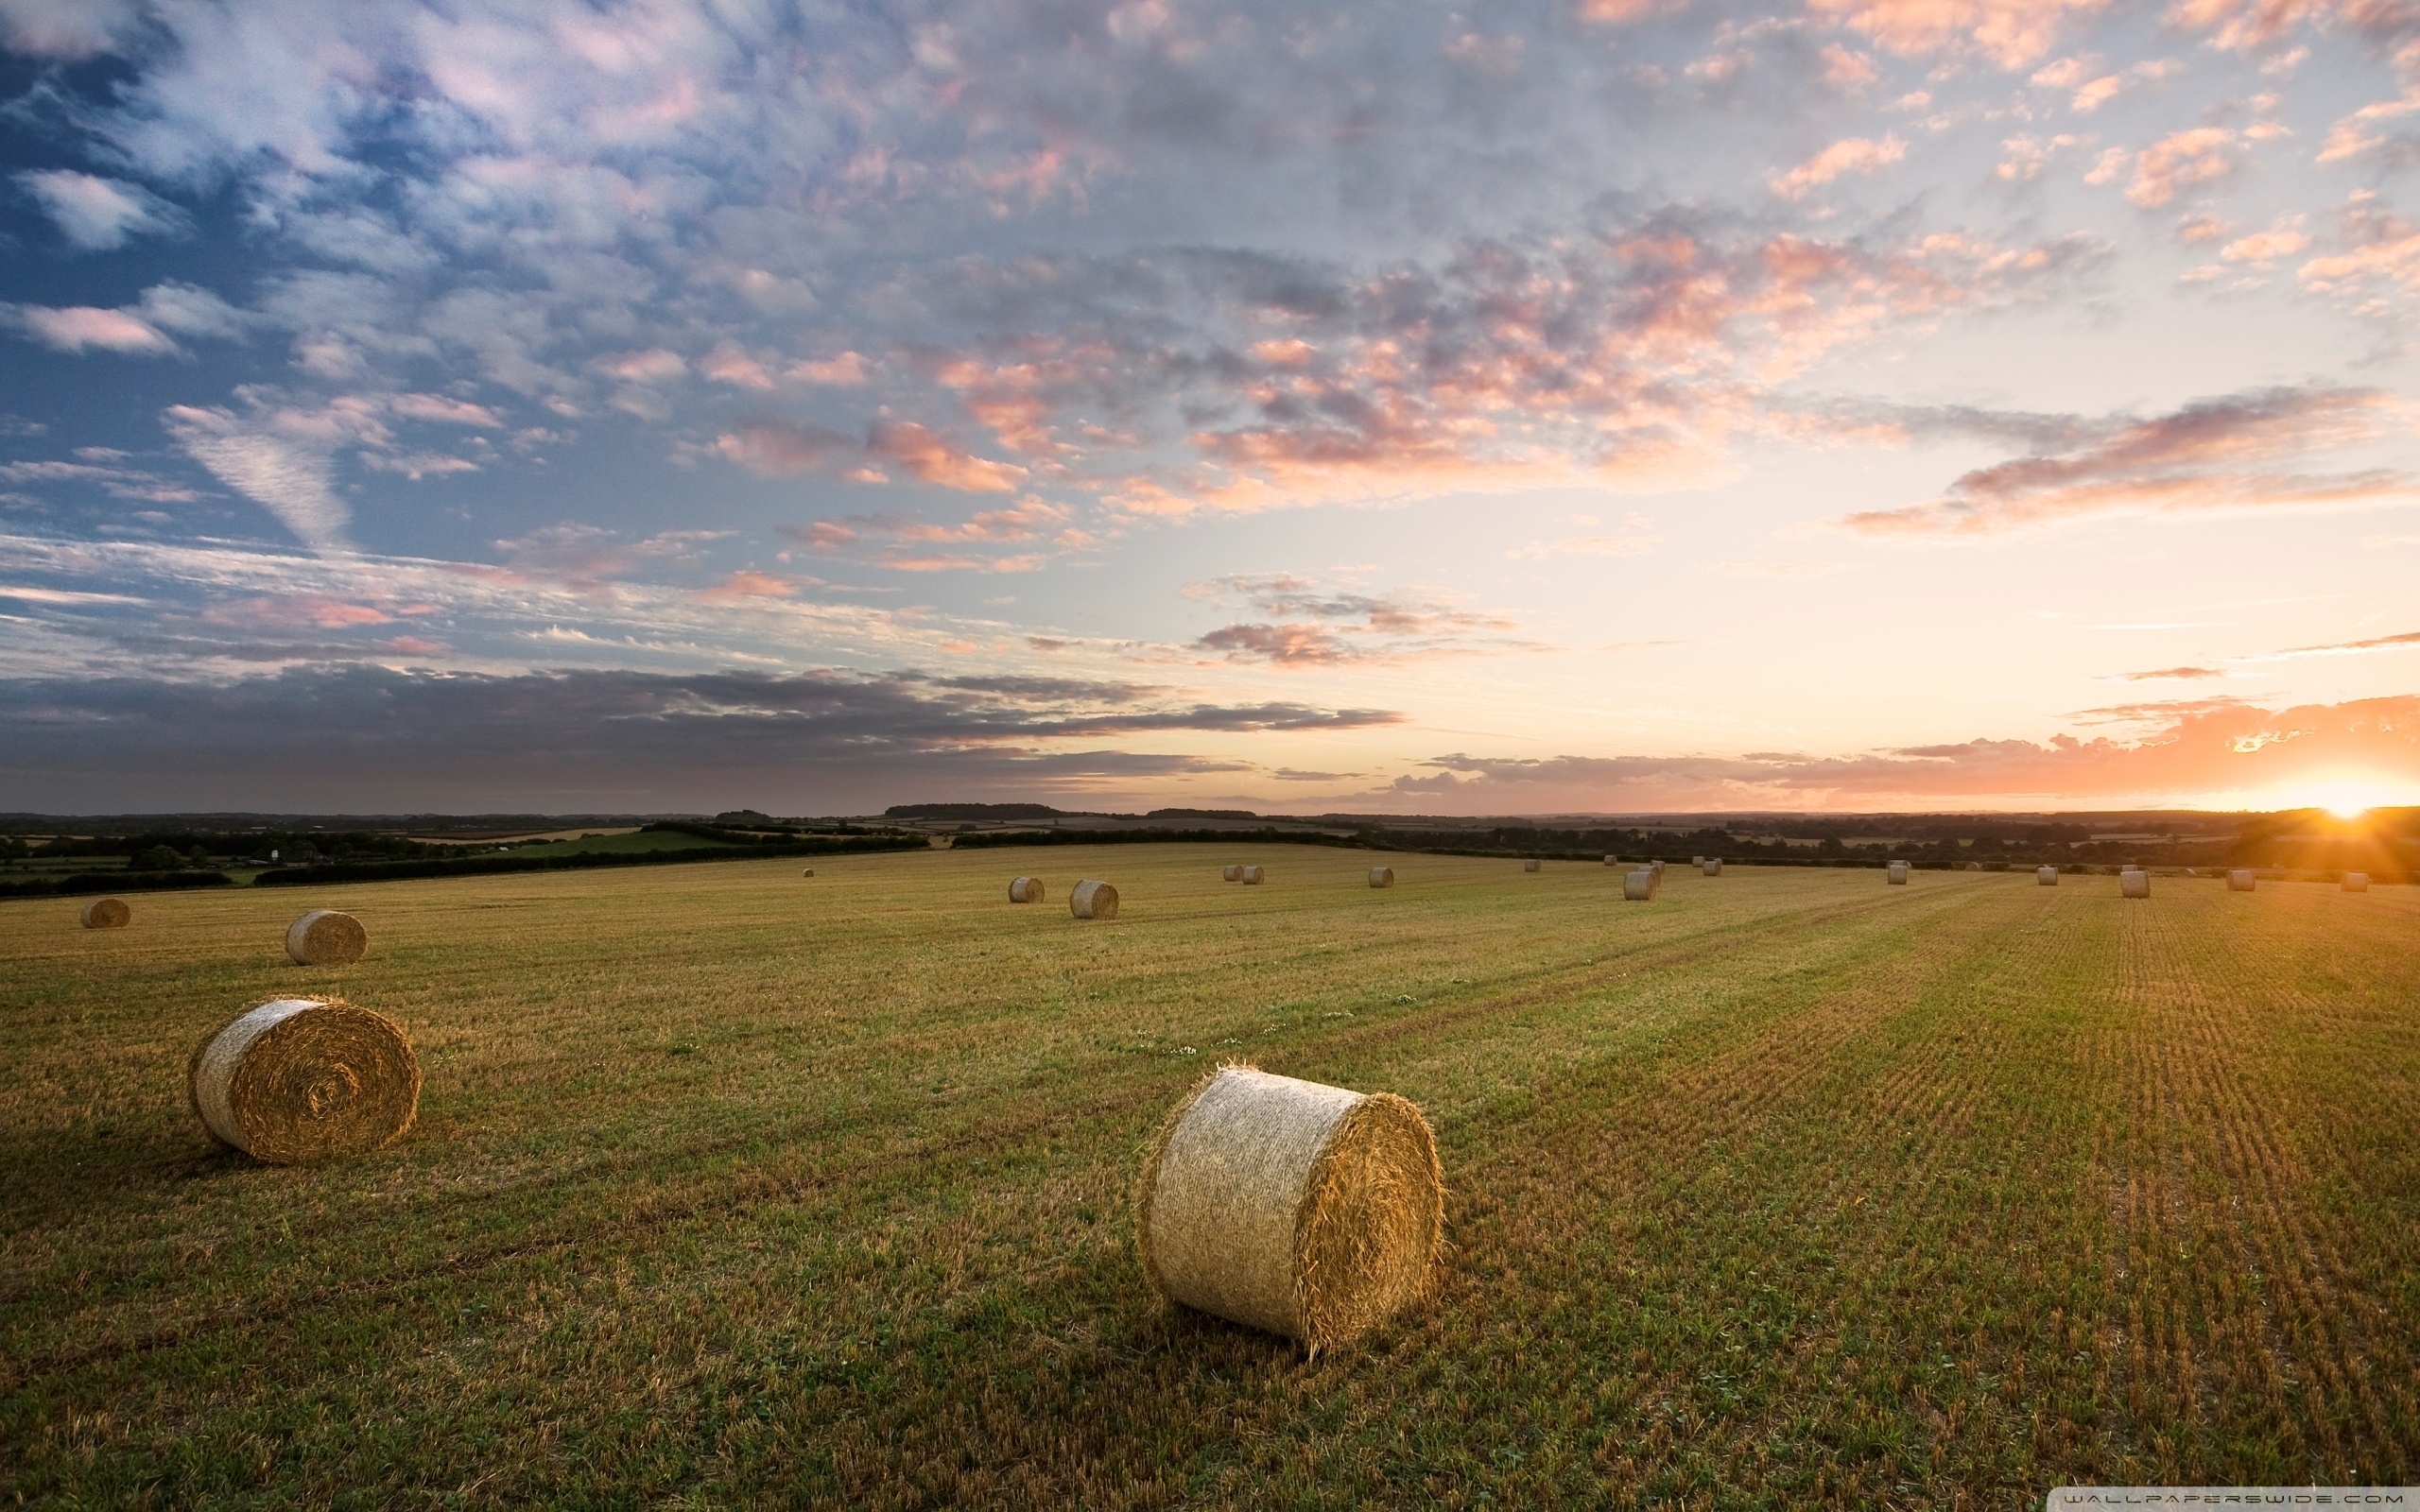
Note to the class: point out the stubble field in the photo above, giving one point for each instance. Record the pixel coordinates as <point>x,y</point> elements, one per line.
<point>735,1189</point>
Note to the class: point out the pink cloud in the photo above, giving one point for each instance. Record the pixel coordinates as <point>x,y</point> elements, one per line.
<point>2180,160</point>
<point>1853,155</point>
<point>2194,749</point>
<point>80,326</point>
<point>743,585</point>
<point>2011,33</point>
<point>932,458</point>
<point>2216,454</point>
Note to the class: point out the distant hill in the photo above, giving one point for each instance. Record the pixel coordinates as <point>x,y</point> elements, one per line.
<point>976,811</point>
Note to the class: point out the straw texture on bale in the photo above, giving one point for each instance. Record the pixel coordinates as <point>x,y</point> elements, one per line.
<point>2134,884</point>
<point>1382,876</point>
<point>2046,876</point>
<point>1093,899</point>
<point>304,1079</point>
<point>326,938</point>
<point>1657,868</point>
<point>1534,864</point>
<point>1027,890</point>
<point>1232,873</point>
<point>1712,867</point>
<point>2356,882</point>
<point>106,913</point>
<point>1896,873</point>
<point>2240,880</point>
<point>1251,877</point>
<point>1638,886</point>
<point>1307,1210</point>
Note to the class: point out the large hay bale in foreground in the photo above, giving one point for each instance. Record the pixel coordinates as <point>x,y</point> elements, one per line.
<point>326,938</point>
<point>2046,876</point>
<point>305,1079</point>
<point>1382,876</point>
<point>1232,874</point>
<point>1712,867</point>
<point>1534,864</point>
<point>1308,1210</point>
<point>1638,886</point>
<point>106,913</point>
<point>1252,876</point>
<point>1093,899</point>
<point>2134,884</point>
<point>2240,880</point>
<point>1896,874</point>
<point>2356,882</point>
<point>1025,891</point>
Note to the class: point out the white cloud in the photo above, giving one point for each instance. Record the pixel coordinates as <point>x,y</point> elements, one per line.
<point>95,215</point>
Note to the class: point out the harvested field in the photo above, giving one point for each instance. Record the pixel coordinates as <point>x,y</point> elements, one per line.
<point>1798,1191</point>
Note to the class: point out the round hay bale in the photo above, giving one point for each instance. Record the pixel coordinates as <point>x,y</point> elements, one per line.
<point>1307,1210</point>
<point>1093,899</point>
<point>1613,861</point>
<point>1657,868</point>
<point>2046,876</point>
<point>1382,876</point>
<point>808,873</point>
<point>106,913</point>
<point>1974,866</point>
<point>1534,864</point>
<point>1896,874</point>
<point>1713,867</point>
<point>326,938</point>
<point>2240,880</point>
<point>2356,882</point>
<point>304,1079</point>
<point>2134,884</point>
<point>1696,861</point>
<point>1027,890</point>
<point>1251,878</point>
<point>1232,874</point>
<point>1638,886</point>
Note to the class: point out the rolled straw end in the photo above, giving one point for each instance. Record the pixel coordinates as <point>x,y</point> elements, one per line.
<point>326,938</point>
<point>305,1079</point>
<point>1093,899</point>
<point>1307,1210</point>
<point>106,913</point>
<point>1382,876</point>
<point>1025,891</point>
<point>1252,877</point>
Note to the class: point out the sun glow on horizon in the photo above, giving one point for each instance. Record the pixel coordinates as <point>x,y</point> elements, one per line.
<point>2346,798</point>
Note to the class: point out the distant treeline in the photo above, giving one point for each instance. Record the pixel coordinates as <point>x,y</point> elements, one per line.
<point>79,883</point>
<point>1156,836</point>
<point>483,865</point>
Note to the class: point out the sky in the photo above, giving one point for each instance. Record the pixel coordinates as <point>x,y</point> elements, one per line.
<point>1599,406</point>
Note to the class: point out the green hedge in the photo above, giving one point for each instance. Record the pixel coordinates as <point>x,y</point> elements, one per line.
<point>488,865</point>
<point>80,882</point>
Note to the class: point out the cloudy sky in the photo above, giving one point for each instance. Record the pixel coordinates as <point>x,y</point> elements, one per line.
<point>1595,404</point>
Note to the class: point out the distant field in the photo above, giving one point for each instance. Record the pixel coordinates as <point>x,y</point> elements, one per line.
<point>735,1189</point>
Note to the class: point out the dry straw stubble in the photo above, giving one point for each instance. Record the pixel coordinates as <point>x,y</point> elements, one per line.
<point>1307,1210</point>
<point>326,938</point>
<point>303,1079</point>
<point>1093,899</point>
<point>106,913</point>
<point>1027,890</point>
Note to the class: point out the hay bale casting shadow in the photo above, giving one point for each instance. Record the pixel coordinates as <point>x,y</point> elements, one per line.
<point>326,938</point>
<point>1308,1210</point>
<point>1093,899</point>
<point>304,1079</point>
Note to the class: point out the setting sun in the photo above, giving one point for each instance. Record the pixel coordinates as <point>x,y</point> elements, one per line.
<point>2346,798</point>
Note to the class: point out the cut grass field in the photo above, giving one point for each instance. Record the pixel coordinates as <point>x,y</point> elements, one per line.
<point>730,1188</point>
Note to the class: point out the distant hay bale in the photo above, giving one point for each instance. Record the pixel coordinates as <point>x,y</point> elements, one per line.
<point>1252,876</point>
<point>1534,864</point>
<point>2046,876</point>
<point>1613,861</point>
<point>1027,890</point>
<point>2134,884</point>
<point>1974,866</point>
<point>1696,861</point>
<point>1232,873</point>
<point>2356,882</point>
<point>1711,866</point>
<point>1093,899</point>
<point>1382,876</point>
<point>1896,873</point>
<point>326,938</point>
<point>808,873</point>
<point>2240,880</point>
<point>305,1079</point>
<point>1638,886</point>
<point>1307,1210</point>
<point>106,913</point>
